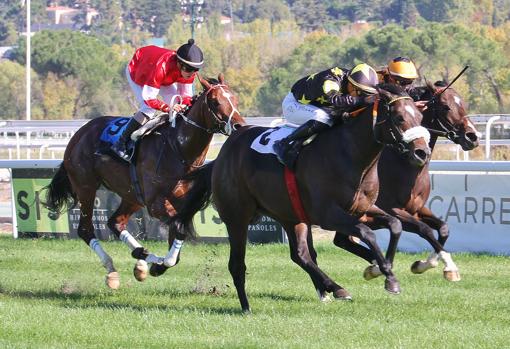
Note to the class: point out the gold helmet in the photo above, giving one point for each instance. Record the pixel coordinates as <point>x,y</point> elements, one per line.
<point>402,67</point>
<point>364,78</point>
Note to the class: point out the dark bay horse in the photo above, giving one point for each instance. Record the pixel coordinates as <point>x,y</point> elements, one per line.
<point>162,158</point>
<point>337,181</point>
<point>404,189</point>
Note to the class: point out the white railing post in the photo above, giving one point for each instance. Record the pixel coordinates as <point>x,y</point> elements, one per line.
<point>488,136</point>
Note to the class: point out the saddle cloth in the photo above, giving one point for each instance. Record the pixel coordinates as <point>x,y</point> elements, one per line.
<point>264,142</point>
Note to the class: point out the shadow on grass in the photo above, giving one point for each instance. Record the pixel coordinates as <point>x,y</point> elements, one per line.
<point>109,301</point>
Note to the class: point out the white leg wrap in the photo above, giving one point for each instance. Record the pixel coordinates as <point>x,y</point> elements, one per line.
<point>171,257</point>
<point>106,260</point>
<point>129,240</point>
<point>432,261</point>
<point>448,261</point>
<point>154,259</point>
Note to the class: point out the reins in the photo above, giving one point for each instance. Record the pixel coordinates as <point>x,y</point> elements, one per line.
<point>224,127</point>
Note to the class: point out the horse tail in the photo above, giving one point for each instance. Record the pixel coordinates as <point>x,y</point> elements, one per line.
<point>59,193</point>
<point>197,198</point>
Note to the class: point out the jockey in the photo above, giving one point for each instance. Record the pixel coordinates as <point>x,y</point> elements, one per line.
<point>402,71</point>
<point>157,71</point>
<point>318,98</point>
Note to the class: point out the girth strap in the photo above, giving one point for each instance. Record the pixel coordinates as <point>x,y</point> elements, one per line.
<point>295,198</point>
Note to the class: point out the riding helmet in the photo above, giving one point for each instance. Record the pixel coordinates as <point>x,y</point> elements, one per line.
<point>364,78</point>
<point>191,54</point>
<point>402,67</point>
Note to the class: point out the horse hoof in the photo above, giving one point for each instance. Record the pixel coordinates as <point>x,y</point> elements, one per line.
<point>323,296</point>
<point>113,280</point>
<point>392,286</point>
<point>342,294</point>
<point>141,270</point>
<point>157,270</point>
<point>451,275</point>
<point>371,272</point>
<point>418,267</point>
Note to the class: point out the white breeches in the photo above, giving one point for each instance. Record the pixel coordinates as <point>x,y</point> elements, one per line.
<point>167,94</point>
<point>298,113</point>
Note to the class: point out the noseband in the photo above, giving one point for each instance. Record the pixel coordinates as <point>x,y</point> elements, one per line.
<point>400,139</point>
<point>220,126</point>
<point>439,115</point>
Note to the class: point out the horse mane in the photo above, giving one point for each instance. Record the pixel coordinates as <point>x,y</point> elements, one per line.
<point>393,88</point>
<point>212,81</point>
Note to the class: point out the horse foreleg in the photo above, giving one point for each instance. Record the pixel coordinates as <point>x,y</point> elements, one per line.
<point>301,254</point>
<point>450,271</point>
<point>375,218</point>
<point>118,225</point>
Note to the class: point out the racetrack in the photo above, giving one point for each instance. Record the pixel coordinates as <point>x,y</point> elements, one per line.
<point>52,295</point>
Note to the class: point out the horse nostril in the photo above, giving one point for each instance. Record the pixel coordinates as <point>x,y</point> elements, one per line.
<point>471,136</point>
<point>421,154</point>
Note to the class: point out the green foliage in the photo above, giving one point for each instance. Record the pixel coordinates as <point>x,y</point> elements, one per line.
<point>94,67</point>
<point>12,83</point>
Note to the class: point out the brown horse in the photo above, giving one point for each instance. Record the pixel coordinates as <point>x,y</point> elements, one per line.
<point>161,159</point>
<point>337,180</point>
<point>404,189</point>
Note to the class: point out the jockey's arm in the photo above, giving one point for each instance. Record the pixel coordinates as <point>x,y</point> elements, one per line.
<point>345,101</point>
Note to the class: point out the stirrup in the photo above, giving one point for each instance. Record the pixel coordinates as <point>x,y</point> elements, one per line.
<point>121,151</point>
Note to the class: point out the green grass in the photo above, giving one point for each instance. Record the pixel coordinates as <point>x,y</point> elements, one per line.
<point>52,295</point>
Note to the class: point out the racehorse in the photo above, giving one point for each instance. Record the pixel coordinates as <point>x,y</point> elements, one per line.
<point>404,189</point>
<point>160,160</point>
<point>337,181</point>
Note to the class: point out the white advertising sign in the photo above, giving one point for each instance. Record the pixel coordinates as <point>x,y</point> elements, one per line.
<point>476,208</point>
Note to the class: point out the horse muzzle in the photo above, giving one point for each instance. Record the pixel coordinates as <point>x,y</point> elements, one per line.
<point>468,141</point>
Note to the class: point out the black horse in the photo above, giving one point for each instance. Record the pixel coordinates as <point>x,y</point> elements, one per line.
<point>162,158</point>
<point>337,181</point>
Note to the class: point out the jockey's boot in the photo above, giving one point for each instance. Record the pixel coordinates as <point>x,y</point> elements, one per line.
<point>287,149</point>
<point>120,147</point>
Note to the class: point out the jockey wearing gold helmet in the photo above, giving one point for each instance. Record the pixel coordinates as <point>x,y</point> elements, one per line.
<point>402,71</point>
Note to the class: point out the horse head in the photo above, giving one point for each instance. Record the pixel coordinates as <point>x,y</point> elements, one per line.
<point>447,113</point>
<point>219,102</point>
<point>397,124</point>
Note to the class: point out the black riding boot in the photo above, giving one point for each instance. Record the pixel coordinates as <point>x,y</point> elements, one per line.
<point>120,147</point>
<point>287,149</point>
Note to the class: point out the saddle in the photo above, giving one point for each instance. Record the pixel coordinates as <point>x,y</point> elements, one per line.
<point>114,129</point>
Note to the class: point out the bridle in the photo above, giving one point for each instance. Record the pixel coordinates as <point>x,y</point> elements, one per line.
<point>439,114</point>
<point>400,140</point>
<point>220,126</point>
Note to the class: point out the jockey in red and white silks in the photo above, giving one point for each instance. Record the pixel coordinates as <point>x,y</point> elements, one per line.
<point>153,71</point>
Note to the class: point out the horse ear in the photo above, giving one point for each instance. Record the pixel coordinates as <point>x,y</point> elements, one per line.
<point>430,86</point>
<point>205,84</point>
<point>221,78</point>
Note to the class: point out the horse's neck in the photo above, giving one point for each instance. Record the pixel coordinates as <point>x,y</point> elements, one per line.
<point>428,123</point>
<point>192,140</point>
<point>361,145</point>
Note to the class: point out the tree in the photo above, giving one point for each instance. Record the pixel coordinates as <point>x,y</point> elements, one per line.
<point>309,14</point>
<point>13,96</point>
<point>97,68</point>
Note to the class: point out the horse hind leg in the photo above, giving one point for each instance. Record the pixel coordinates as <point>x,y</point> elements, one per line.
<point>118,225</point>
<point>86,233</point>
